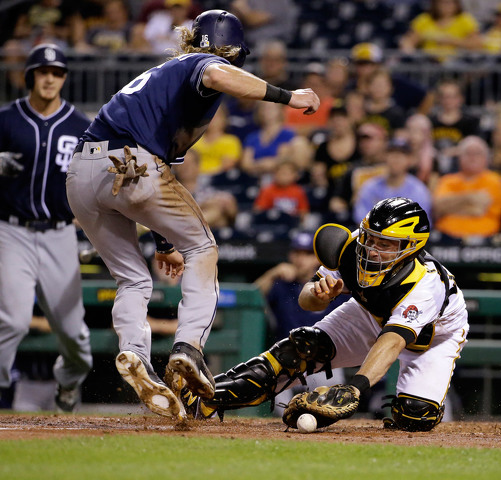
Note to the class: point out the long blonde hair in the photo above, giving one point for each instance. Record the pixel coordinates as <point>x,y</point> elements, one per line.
<point>187,36</point>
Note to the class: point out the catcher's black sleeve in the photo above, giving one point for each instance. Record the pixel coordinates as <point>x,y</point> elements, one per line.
<point>407,334</point>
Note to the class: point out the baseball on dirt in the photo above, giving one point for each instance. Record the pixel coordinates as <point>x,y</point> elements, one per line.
<point>306,423</point>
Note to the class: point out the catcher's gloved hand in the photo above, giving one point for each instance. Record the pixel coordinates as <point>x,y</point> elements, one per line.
<point>326,404</point>
<point>126,171</point>
<point>8,165</point>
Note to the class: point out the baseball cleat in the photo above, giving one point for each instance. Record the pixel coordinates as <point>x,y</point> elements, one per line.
<point>67,398</point>
<point>149,388</point>
<point>188,362</point>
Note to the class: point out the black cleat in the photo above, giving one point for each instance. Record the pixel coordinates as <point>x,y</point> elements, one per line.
<point>188,362</point>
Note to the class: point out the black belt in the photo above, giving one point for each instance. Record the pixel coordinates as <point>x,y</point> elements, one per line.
<point>35,225</point>
<point>114,144</point>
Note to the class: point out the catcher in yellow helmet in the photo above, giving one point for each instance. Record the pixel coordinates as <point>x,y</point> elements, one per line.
<point>405,305</point>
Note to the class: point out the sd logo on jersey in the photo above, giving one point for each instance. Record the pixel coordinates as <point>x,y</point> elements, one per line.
<point>65,146</point>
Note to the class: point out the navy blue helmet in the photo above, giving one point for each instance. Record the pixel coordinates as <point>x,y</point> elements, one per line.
<point>218,28</point>
<point>40,56</point>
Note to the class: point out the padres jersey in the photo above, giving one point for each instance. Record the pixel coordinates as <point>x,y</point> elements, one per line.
<point>46,145</point>
<point>416,306</point>
<point>164,110</point>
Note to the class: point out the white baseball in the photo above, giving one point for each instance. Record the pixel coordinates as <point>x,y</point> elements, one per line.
<point>306,423</point>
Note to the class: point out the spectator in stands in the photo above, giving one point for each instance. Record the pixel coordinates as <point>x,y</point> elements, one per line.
<point>314,78</point>
<point>265,20</point>
<point>262,149</point>
<point>48,21</point>
<point>372,142</point>
<point>467,204</point>
<point>282,284</point>
<point>495,141</point>
<point>337,76</point>
<point>451,123</point>
<point>418,131</point>
<point>218,151</point>
<point>355,107</point>
<point>443,31</point>
<point>220,208</point>
<point>273,64</point>
<point>44,21</point>
<point>380,106</point>
<point>407,94</point>
<point>284,193</point>
<point>115,33</point>
<point>339,149</point>
<point>159,30</point>
<point>492,36</point>
<point>396,182</point>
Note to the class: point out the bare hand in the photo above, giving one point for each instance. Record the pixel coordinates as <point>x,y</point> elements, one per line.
<point>327,288</point>
<point>172,262</point>
<point>305,98</point>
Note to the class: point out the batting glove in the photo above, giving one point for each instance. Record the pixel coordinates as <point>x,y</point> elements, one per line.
<point>9,167</point>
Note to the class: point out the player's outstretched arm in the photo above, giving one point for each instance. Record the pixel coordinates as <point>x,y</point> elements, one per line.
<point>381,356</point>
<point>239,83</point>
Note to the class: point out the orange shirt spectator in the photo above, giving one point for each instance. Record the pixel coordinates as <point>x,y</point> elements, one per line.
<point>284,193</point>
<point>468,203</point>
<point>315,79</point>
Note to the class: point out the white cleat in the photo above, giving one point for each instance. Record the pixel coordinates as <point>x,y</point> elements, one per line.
<point>149,388</point>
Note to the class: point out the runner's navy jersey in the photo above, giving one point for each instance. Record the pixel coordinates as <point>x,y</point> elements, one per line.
<point>165,110</point>
<point>46,145</point>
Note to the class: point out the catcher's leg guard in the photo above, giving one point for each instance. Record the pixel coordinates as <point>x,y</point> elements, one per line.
<point>414,414</point>
<point>255,381</point>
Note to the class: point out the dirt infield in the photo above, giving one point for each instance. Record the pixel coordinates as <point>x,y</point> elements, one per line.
<point>451,434</point>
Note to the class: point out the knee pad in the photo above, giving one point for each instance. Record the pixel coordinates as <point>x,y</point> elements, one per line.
<point>415,414</point>
<point>313,344</point>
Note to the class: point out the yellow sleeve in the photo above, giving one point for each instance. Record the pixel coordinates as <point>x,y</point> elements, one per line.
<point>467,24</point>
<point>422,23</point>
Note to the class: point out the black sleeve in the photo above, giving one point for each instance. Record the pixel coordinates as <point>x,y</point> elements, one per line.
<point>407,334</point>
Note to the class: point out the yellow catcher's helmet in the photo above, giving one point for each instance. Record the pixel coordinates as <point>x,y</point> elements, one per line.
<point>395,218</point>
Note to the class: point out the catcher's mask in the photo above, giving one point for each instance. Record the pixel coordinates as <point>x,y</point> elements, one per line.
<point>218,28</point>
<point>46,54</point>
<point>390,236</point>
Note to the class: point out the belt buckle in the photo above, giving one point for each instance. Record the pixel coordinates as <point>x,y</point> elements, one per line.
<point>39,225</point>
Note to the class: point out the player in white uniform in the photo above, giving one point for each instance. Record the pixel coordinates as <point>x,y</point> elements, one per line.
<point>405,306</point>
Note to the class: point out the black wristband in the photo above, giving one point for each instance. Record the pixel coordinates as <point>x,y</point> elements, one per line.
<point>361,382</point>
<point>163,246</point>
<point>277,95</point>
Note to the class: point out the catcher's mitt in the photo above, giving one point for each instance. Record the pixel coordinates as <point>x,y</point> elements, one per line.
<point>326,404</point>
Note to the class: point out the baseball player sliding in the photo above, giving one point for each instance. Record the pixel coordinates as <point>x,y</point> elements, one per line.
<point>405,305</point>
<point>120,174</point>
<point>38,246</point>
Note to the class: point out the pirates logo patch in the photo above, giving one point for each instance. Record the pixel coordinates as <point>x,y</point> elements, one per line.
<point>411,313</point>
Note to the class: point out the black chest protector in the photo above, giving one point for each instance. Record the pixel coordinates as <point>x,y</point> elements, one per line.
<point>381,300</point>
